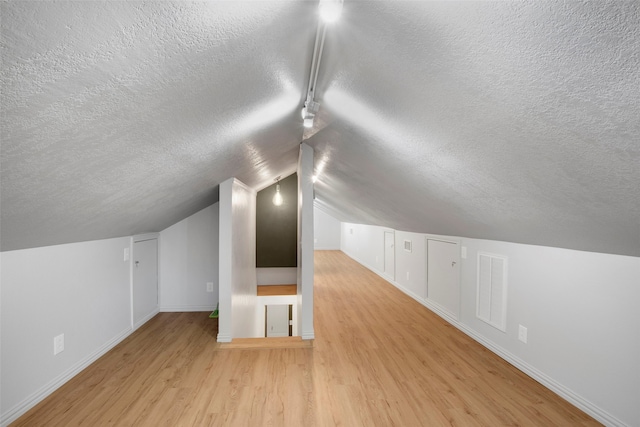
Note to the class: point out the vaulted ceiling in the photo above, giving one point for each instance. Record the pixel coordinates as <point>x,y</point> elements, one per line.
<point>514,121</point>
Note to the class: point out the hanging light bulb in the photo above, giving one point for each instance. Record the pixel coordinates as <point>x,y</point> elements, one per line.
<point>277,198</point>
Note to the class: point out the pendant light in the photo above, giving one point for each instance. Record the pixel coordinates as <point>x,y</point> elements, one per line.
<point>277,198</point>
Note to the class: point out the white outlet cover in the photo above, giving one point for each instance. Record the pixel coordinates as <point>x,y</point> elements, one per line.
<point>209,286</point>
<point>522,334</point>
<point>58,344</point>
<point>126,254</point>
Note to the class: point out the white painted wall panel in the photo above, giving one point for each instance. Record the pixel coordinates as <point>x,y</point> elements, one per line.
<point>410,266</point>
<point>188,260</point>
<point>326,231</point>
<point>225,261</point>
<point>580,309</point>
<point>81,290</point>
<point>243,250</point>
<point>305,242</point>
<point>277,275</point>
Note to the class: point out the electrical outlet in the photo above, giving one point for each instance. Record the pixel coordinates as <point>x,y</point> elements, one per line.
<point>315,240</point>
<point>407,275</point>
<point>522,334</point>
<point>58,344</point>
<point>209,286</point>
<point>126,254</point>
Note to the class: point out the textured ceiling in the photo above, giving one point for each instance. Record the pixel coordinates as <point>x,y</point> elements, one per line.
<point>515,121</point>
<point>123,117</point>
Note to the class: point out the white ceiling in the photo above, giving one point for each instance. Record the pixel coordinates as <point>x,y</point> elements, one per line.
<point>515,121</point>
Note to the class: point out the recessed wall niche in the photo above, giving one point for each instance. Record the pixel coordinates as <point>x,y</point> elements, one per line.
<point>277,226</point>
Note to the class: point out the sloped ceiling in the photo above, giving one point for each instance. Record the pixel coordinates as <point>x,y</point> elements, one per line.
<point>515,121</point>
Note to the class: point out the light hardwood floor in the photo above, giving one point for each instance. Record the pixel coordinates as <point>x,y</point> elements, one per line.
<point>379,359</point>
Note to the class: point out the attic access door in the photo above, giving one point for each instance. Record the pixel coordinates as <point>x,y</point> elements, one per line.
<point>443,276</point>
<point>145,280</point>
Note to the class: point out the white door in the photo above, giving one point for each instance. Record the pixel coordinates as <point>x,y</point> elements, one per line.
<point>389,255</point>
<point>277,320</point>
<point>443,275</point>
<point>145,281</point>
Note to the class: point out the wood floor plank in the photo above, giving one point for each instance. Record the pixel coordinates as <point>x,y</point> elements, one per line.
<point>379,359</point>
<point>272,290</point>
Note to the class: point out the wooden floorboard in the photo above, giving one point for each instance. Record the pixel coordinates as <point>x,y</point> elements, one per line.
<point>273,290</point>
<point>379,359</point>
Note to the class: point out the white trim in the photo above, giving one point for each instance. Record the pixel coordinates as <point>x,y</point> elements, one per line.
<point>575,399</point>
<point>246,187</point>
<point>186,308</point>
<point>308,336</point>
<point>146,318</point>
<point>223,338</point>
<point>32,400</point>
<point>131,255</point>
<point>147,236</point>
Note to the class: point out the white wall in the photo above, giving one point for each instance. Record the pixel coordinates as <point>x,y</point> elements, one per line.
<point>326,231</point>
<point>277,275</point>
<point>305,242</point>
<point>244,262</point>
<point>580,308</point>
<point>81,290</point>
<point>237,262</point>
<point>188,260</point>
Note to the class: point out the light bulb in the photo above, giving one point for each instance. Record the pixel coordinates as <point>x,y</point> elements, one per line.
<point>330,10</point>
<point>308,122</point>
<point>277,198</point>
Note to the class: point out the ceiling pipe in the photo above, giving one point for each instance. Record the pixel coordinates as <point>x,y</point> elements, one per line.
<point>311,107</point>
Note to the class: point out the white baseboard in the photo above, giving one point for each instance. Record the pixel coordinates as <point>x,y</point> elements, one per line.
<point>146,318</point>
<point>578,401</point>
<point>308,335</point>
<point>186,308</point>
<point>32,400</point>
<point>223,338</point>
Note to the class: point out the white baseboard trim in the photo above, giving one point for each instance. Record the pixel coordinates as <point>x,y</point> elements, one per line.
<point>578,401</point>
<point>146,318</point>
<point>223,338</point>
<point>186,308</point>
<point>308,335</point>
<point>21,408</point>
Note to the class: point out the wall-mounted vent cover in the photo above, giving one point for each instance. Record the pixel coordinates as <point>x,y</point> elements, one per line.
<point>491,297</point>
<point>407,245</point>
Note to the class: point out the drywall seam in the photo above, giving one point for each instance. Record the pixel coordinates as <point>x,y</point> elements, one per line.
<point>18,410</point>
<point>562,391</point>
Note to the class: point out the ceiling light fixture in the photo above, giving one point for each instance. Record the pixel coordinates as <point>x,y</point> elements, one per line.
<point>330,11</point>
<point>277,198</point>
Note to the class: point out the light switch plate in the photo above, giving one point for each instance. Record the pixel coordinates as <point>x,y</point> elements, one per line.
<point>209,286</point>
